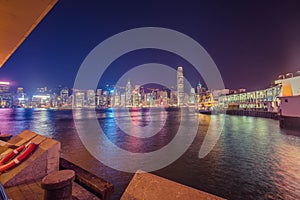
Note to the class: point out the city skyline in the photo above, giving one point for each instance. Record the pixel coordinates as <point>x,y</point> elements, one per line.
<point>135,95</point>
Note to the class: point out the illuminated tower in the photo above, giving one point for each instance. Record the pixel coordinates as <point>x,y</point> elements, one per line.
<point>64,95</point>
<point>6,98</point>
<point>20,90</point>
<point>90,94</point>
<point>4,87</point>
<point>98,97</point>
<point>180,87</point>
<point>128,94</point>
<point>192,96</point>
<point>79,98</point>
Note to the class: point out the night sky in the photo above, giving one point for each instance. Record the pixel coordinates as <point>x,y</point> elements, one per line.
<point>251,42</point>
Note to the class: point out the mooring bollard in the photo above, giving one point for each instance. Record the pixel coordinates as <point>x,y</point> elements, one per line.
<point>58,185</point>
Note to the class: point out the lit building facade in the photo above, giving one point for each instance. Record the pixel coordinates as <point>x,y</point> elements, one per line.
<point>128,94</point>
<point>192,99</point>
<point>264,100</point>
<point>21,99</point>
<point>6,97</point>
<point>41,101</point>
<point>180,86</point>
<point>90,95</point>
<point>64,96</point>
<point>78,98</point>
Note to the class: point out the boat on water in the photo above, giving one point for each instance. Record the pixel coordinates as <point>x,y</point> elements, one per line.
<point>205,111</point>
<point>289,114</point>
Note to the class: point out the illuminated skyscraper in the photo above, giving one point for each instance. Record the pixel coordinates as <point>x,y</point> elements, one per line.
<point>20,90</point>
<point>90,94</point>
<point>64,95</point>
<point>200,89</point>
<point>20,98</point>
<point>180,86</point>
<point>192,96</point>
<point>117,99</point>
<point>123,100</point>
<point>128,94</point>
<point>41,100</point>
<point>4,87</point>
<point>98,97</point>
<point>99,92</point>
<point>41,90</point>
<point>79,98</point>
<point>6,98</point>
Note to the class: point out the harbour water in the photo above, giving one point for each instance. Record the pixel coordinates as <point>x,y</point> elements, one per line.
<point>252,159</point>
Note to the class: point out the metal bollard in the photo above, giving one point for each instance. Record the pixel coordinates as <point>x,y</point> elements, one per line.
<point>58,185</point>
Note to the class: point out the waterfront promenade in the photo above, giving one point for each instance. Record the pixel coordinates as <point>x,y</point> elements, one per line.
<point>253,157</point>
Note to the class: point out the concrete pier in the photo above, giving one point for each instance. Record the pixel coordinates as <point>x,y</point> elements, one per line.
<point>146,186</point>
<point>44,160</point>
<point>25,180</point>
<point>253,113</point>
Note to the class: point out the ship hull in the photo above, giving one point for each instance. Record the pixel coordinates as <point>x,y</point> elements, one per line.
<point>287,122</point>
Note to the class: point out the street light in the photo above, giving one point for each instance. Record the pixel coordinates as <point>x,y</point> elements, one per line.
<point>289,75</point>
<point>281,77</point>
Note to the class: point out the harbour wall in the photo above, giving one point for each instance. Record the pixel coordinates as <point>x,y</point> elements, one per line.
<point>253,113</point>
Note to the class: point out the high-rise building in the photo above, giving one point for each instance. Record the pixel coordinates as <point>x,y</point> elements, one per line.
<point>55,100</point>
<point>79,98</point>
<point>123,100</point>
<point>4,87</point>
<point>128,94</point>
<point>180,86</point>
<point>149,99</point>
<point>64,96</point>
<point>192,99</point>
<point>173,98</point>
<point>98,97</point>
<point>6,97</point>
<point>90,94</point>
<point>99,92</point>
<point>20,90</point>
<point>21,99</point>
<point>117,99</point>
<point>41,90</point>
<point>200,89</point>
<point>136,96</point>
<point>41,101</point>
<point>105,99</point>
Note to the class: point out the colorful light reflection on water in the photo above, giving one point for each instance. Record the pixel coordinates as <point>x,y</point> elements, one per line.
<point>253,159</point>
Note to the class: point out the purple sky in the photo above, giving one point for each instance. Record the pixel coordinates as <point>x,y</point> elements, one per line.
<point>251,42</point>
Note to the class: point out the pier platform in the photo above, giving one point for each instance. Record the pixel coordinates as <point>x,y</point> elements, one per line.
<point>24,180</point>
<point>253,113</point>
<point>146,186</point>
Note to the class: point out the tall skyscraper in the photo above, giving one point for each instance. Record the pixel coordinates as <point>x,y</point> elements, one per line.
<point>79,98</point>
<point>99,92</point>
<point>64,95</point>
<point>192,96</point>
<point>6,98</point>
<point>123,100</point>
<point>180,86</point>
<point>98,97</point>
<point>128,94</point>
<point>20,98</point>
<point>90,94</point>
